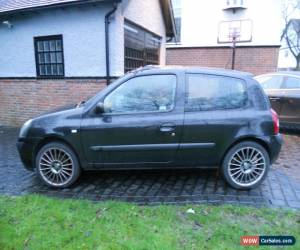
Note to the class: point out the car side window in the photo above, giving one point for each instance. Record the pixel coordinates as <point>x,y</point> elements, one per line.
<point>209,92</point>
<point>152,93</point>
<point>291,83</point>
<point>270,82</point>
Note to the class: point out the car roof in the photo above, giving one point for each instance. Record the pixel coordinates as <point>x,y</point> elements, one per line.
<point>192,69</point>
<point>282,73</point>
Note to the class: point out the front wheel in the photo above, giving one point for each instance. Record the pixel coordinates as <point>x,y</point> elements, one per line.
<point>246,165</point>
<point>57,165</point>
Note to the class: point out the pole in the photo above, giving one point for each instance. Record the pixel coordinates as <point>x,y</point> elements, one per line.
<point>107,16</point>
<point>233,53</point>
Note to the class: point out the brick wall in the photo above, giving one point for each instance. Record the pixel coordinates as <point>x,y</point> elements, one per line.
<point>21,100</point>
<point>256,60</point>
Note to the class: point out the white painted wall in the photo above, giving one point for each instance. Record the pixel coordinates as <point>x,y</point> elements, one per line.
<point>83,37</point>
<point>200,21</point>
<point>286,60</point>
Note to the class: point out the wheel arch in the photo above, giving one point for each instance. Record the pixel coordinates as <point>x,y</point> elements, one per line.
<point>260,141</point>
<point>53,138</point>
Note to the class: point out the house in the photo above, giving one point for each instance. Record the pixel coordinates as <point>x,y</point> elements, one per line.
<point>207,29</point>
<point>289,54</point>
<point>57,52</point>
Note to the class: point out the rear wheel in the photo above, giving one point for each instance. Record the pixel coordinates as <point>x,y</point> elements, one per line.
<point>57,165</point>
<point>246,165</point>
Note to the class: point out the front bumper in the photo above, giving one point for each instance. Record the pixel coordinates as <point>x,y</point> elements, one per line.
<point>275,144</point>
<point>27,149</point>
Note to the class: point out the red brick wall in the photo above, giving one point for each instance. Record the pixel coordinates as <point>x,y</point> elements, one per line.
<point>256,60</point>
<point>21,100</point>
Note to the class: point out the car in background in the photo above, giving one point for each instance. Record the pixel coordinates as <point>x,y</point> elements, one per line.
<point>283,90</point>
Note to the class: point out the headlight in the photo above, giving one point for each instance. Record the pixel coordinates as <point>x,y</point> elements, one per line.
<point>25,128</point>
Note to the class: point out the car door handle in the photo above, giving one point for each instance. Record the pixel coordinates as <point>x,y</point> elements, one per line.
<point>274,98</point>
<point>167,128</point>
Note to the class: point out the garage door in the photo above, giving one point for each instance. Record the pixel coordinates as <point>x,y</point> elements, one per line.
<point>141,47</point>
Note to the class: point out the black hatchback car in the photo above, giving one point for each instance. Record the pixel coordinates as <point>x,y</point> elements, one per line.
<point>159,118</point>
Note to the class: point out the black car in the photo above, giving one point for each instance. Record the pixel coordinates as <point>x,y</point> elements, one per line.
<point>159,117</point>
<point>283,89</point>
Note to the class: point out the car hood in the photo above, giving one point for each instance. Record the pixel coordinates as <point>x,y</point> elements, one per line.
<point>58,115</point>
<point>59,109</point>
<point>57,121</point>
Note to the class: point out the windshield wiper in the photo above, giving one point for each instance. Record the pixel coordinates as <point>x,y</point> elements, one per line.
<point>80,104</point>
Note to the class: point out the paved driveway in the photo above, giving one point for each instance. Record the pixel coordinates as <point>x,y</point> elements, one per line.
<point>281,188</point>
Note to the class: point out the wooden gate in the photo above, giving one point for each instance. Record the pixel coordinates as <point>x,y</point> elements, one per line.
<point>141,47</point>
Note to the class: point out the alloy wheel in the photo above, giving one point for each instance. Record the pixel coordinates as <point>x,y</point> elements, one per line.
<point>247,166</point>
<point>56,166</point>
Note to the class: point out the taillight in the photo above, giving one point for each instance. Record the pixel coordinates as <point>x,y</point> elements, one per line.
<point>275,121</point>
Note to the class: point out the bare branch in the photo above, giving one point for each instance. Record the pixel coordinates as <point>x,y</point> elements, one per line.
<point>290,46</point>
<point>291,32</point>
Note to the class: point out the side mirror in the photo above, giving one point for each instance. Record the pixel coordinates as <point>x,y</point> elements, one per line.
<point>99,109</point>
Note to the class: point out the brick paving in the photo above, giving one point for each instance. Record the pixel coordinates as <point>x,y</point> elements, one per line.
<point>280,189</point>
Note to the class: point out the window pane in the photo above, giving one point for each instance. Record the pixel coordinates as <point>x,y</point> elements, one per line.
<point>46,45</point>
<point>52,45</point>
<point>54,69</point>
<point>270,82</point>
<point>42,69</point>
<point>41,58</point>
<point>47,57</point>
<point>48,70</point>
<point>59,57</point>
<point>292,83</point>
<point>206,92</point>
<point>40,46</point>
<point>58,45</point>
<point>143,94</point>
<point>60,69</point>
<point>53,57</point>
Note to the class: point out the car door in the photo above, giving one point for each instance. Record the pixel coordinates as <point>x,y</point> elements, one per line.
<point>290,111</point>
<point>213,115</point>
<point>272,85</point>
<point>141,124</point>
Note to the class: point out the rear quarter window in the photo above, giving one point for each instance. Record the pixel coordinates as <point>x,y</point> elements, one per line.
<point>212,92</point>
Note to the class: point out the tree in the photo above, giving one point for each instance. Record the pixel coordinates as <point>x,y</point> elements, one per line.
<point>291,31</point>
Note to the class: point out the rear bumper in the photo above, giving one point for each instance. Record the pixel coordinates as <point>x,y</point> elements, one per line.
<point>26,148</point>
<point>289,126</point>
<point>275,144</point>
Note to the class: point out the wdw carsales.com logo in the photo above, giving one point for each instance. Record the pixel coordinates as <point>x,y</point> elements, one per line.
<point>267,240</point>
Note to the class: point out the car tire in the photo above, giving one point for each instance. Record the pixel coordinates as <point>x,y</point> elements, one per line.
<point>246,165</point>
<point>57,165</point>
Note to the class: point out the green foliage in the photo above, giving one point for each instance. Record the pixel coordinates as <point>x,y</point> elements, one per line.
<point>37,222</point>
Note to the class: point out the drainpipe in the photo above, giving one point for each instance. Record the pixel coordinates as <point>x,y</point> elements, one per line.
<point>107,16</point>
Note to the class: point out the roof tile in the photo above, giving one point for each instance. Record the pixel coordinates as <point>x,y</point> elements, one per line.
<point>14,5</point>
